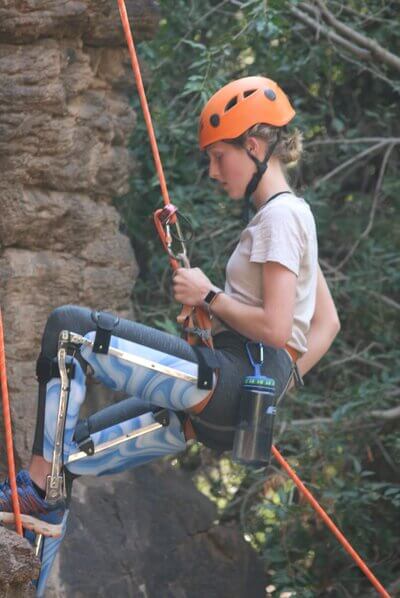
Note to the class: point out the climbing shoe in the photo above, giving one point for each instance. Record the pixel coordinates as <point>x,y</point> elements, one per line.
<point>36,513</point>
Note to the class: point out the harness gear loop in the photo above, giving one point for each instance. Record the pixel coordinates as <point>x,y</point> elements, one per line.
<point>197,314</point>
<point>8,432</point>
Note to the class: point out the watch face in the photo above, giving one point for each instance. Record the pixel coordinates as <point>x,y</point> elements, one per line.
<point>210,296</point>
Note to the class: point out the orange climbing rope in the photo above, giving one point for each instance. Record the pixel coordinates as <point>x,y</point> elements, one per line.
<point>8,431</point>
<point>328,521</point>
<point>192,319</point>
<point>168,214</point>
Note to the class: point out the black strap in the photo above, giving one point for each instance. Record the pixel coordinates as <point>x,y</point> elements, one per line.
<point>273,197</point>
<point>83,438</point>
<point>207,362</point>
<point>47,368</point>
<point>162,417</point>
<point>298,380</point>
<point>83,430</point>
<point>105,324</point>
<point>261,167</point>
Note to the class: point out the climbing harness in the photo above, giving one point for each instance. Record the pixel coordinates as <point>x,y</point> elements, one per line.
<point>8,431</point>
<point>167,216</point>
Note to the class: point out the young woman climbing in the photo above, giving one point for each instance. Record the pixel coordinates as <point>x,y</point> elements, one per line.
<point>275,294</point>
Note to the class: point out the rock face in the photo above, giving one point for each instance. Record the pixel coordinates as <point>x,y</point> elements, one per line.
<point>149,533</point>
<point>18,566</point>
<point>65,124</point>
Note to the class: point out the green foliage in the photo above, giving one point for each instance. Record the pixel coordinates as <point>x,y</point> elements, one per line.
<point>348,457</point>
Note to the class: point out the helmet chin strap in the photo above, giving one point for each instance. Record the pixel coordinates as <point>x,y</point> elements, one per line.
<point>261,168</point>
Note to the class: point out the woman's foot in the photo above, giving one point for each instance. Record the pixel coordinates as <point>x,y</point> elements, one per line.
<point>36,513</point>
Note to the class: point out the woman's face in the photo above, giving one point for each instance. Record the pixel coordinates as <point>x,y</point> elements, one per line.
<point>231,167</point>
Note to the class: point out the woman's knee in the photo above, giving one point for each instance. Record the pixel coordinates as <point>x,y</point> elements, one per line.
<point>65,317</point>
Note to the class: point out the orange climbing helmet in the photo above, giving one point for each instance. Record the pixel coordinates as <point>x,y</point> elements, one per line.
<point>240,105</point>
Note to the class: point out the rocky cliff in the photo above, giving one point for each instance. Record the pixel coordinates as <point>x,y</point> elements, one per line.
<point>18,566</point>
<point>65,125</point>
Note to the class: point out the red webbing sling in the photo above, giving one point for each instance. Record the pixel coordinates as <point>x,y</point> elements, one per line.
<point>202,317</point>
<point>8,431</point>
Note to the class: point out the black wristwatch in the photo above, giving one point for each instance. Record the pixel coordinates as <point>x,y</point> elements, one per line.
<point>210,298</point>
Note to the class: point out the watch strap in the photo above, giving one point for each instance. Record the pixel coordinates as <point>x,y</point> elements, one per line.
<point>211,297</point>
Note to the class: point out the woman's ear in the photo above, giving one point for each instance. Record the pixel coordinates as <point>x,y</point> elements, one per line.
<point>253,145</point>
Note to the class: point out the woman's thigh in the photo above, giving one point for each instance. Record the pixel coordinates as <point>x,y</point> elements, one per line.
<point>83,320</point>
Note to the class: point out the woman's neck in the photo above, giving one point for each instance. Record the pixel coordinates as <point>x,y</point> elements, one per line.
<point>271,183</point>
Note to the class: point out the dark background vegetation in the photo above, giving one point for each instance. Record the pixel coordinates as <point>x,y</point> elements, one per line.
<point>338,61</point>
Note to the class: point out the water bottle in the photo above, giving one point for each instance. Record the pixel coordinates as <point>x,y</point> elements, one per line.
<point>253,435</point>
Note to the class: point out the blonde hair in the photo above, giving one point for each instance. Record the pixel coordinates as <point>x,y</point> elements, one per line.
<point>289,148</point>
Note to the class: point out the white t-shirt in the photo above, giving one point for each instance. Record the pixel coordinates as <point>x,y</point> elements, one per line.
<point>282,231</point>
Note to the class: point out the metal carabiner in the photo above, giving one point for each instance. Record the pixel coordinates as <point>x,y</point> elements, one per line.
<point>256,364</point>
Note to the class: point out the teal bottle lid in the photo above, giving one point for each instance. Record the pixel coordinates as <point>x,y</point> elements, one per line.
<point>263,384</point>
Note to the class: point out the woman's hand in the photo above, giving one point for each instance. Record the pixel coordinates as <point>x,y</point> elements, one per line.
<point>191,286</point>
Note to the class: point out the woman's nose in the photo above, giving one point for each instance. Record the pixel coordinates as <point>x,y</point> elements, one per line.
<point>213,170</point>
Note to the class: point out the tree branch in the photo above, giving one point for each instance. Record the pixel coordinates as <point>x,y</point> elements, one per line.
<point>354,141</point>
<point>363,18</point>
<point>388,300</point>
<point>375,200</point>
<point>334,37</point>
<point>370,44</point>
<point>364,66</point>
<point>385,414</point>
<point>355,356</point>
<point>347,163</point>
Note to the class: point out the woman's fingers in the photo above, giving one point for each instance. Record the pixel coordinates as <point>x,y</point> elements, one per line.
<point>190,285</point>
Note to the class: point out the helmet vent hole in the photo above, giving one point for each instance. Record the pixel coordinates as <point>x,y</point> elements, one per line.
<point>231,104</point>
<point>248,93</point>
<point>214,120</point>
<point>270,94</point>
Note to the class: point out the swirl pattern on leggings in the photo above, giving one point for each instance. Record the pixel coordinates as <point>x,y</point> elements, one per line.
<point>151,386</point>
<point>76,397</point>
<point>167,440</point>
<point>49,553</point>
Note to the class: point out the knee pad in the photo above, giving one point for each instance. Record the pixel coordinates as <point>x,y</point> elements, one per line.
<point>66,317</point>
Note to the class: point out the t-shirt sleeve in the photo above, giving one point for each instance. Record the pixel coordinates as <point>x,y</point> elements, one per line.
<point>280,237</point>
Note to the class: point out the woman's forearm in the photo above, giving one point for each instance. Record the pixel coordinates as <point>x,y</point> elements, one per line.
<point>248,320</point>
